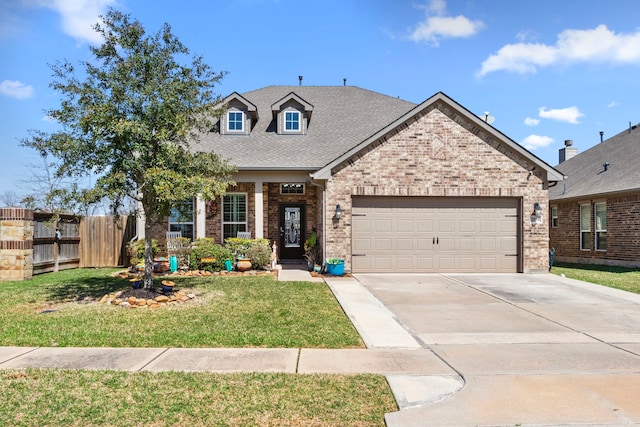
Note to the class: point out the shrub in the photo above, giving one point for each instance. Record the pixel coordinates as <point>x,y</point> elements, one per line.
<point>259,253</point>
<point>208,248</point>
<point>136,250</point>
<point>239,247</point>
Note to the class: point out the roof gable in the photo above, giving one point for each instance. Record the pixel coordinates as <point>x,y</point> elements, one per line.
<point>250,107</point>
<point>278,105</point>
<point>440,97</point>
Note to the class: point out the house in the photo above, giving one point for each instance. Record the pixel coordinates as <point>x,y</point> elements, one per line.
<point>595,211</point>
<point>389,186</point>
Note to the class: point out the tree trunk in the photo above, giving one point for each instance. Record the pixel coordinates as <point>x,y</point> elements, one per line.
<point>148,255</point>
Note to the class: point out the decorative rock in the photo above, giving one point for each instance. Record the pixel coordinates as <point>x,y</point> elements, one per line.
<point>131,300</point>
<point>162,298</point>
<point>154,305</point>
<point>151,302</point>
<point>104,299</point>
<point>116,301</point>
<point>141,302</point>
<point>125,304</point>
<point>183,298</point>
<point>191,296</point>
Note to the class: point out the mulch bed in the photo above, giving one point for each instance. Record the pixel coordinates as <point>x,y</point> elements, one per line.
<point>146,293</point>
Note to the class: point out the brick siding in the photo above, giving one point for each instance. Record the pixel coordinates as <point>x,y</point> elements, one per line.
<point>623,232</point>
<point>439,153</point>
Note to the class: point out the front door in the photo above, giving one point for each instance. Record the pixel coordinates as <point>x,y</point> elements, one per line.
<point>292,235</point>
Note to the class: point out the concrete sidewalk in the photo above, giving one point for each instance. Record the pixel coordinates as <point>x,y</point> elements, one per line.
<point>226,360</point>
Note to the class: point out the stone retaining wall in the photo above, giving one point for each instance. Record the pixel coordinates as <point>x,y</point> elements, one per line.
<point>16,244</point>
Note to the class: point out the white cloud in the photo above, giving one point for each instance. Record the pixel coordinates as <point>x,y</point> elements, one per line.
<point>569,114</point>
<point>437,26</point>
<point>613,104</point>
<point>533,142</point>
<point>16,89</point>
<point>79,16</point>
<point>572,46</point>
<point>531,121</point>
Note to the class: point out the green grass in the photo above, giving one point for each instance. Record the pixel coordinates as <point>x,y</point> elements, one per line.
<point>627,279</point>
<point>96,398</point>
<point>60,309</point>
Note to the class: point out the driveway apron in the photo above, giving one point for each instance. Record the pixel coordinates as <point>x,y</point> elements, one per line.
<point>530,349</point>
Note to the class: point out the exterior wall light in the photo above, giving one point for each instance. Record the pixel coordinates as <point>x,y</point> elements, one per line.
<point>536,215</point>
<point>537,210</point>
<point>338,212</point>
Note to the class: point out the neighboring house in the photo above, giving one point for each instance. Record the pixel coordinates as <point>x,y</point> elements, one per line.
<point>390,186</point>
<point>595,212</point>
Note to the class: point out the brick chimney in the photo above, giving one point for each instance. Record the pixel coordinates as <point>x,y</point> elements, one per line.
<point>567,152</point>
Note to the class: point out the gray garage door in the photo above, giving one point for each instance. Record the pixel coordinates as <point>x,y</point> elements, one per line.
<point>434,234</point>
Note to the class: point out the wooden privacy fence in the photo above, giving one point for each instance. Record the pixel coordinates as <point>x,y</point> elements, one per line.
<point>56,240</point>
<point>68,241</point>
<point>103,241</point>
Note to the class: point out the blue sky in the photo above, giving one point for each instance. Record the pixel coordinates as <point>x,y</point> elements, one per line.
<point>547,70</point>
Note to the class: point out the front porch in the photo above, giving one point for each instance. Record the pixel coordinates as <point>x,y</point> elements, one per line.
<point>284,209</point>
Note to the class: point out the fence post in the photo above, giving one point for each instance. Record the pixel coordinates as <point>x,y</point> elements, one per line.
<point>16,244</point>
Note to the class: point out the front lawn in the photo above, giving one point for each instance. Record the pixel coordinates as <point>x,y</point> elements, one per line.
<point>61,309</point>
<point>627,279</point>
<point>54,398</point>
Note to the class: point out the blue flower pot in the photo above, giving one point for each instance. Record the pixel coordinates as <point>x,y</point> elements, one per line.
<point>336,268</point>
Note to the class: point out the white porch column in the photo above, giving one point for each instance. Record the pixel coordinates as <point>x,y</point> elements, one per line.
<point>259,211</point>
<point>201,217</point>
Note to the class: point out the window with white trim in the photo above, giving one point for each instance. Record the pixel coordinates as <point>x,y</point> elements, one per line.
<point>554,217</point>
<point>181,219</point>
<point>292,121</point>
<point>235,121</point>
<point>585,227</point>
<point>234,214</point>
<point>601,226</point>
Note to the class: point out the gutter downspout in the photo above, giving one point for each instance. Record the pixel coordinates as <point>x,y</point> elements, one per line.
<point>324,205</point>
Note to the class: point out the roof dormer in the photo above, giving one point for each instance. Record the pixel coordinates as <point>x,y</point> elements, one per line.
<point>292,115</point>
<point>240,116</point>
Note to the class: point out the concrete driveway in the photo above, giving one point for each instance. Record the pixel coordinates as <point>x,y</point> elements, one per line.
<point>525,349</point>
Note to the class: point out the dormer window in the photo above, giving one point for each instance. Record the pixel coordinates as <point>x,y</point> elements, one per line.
<point>241,115</point>
<point>291,115</point>
<point>235,121</point>
<point>292,121</point>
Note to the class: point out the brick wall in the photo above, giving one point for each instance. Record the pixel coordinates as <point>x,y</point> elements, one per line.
<point>16,244</point>
<point>623,232</point>
<point>439,153</point>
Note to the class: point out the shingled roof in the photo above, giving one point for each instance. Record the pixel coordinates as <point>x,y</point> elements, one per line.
<point>343,116</point>
<point>586,172</point>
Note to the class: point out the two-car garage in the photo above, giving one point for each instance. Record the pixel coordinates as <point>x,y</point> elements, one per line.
<point>435,234</point>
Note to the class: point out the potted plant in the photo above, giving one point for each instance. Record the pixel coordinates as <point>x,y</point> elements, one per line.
<point>335,266</point>
<point>240,248</point>
<point>313,251</point>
